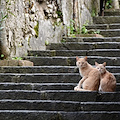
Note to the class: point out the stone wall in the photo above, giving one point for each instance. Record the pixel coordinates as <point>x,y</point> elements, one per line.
<point>32,24</point>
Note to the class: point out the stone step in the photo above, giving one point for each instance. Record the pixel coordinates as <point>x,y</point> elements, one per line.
<point>42,86</point>
<point>58,115</point>
<point>38,69</point>
<point>71,61</point>
<point>39,86</point>
<point>74,51</point>
<point>51,105</point>
<point>44,77</point>
<point>40,77</point>
<point>62,95</point>
<point>49,69</point>
<point>112,13</point>
<point>47,105</point>
<point>106,19</point>
<point>103,26</point>
<point>91,39</point>
<point>75,46</point>
<point>110,32</point>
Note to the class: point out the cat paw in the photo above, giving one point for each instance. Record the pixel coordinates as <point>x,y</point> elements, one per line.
<point>76,88</point>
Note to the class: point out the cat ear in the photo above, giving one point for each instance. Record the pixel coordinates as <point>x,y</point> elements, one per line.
<point>104,64</point>
<point>96,63</point>
<point>77,58</point>
<point>85,58</point>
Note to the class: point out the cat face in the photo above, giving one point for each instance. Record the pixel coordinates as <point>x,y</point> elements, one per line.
<point>81,62</point>
<point>101,67</point>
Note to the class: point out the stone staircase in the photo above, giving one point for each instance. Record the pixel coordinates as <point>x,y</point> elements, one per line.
<point>45,91</point>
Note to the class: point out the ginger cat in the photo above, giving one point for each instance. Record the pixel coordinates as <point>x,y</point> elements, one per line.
<point>90,76</point>
<point>108,80</point>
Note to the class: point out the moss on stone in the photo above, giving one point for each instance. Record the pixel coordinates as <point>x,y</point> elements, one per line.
<point>94,11</point>
<point>36,28</point>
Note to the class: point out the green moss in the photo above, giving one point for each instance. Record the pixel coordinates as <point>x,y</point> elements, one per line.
<point>94,11</point>
<point>53,53</point>
<point>60,15</point>
<point>36,28</point>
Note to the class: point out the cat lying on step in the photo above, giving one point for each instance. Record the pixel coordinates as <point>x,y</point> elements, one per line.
<point>90,76</point>
<point>108,80</point>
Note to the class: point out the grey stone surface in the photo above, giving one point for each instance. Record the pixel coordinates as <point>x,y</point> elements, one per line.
<point>36,23</point>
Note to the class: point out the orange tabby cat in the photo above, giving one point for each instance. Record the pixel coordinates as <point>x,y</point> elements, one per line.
<point>108,80</point>
<point>90,76</point>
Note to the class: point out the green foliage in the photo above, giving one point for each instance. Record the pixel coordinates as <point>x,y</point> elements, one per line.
<point>93,13</point>
<point>8,11</point>
<point>2,19</point>
<point>72,29</point>
<point>59,13</point>
<point>17,58</point>
<point>36,28</point>
<point>63,41</point>
<point>96,32</point>
<point>84,29</point>
<point>108,4</point>
<point>2,56</point>
<point>46,43</point>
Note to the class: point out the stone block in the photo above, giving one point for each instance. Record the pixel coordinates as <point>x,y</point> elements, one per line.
<point>3,62</point>
<point>16,63</point>
<point>24,63</point>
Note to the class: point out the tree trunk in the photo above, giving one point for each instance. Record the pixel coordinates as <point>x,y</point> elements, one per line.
<point>115,4</point>
<point>4,49</point>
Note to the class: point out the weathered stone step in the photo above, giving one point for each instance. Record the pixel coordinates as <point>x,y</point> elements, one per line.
<point>38,69</point>
<point>40,77</point>
<point>110,32</point>
<point>100,106</point>
<point>48,69</point>
<point>41,86</point>
<point>106,19</point>
<point>71,61</point>
<point>47,105</point>
<point>63,95</point>
<point>77,52</point>
<point>58,115</point>
<point>44,77</point>
<point>103,26</point>
<point>76,46</point>
<point>112,13</point>
<point>51,105</point>
<point>91,39</point>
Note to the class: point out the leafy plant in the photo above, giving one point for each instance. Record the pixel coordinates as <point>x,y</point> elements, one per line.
<point>36,28</point>
<point>84,29</point>
<point>17,58</point>
<point>59,13</point>
<point>72,29</point>
<point>63,40</point>
<point>96,32</point>
<point>8,11</point>
<point>108,4</point>
<point>2,56</point>
<point>46,43</point>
